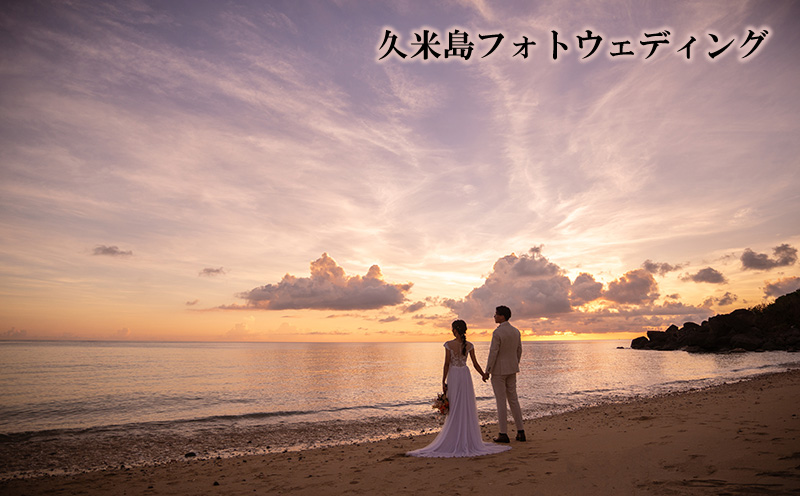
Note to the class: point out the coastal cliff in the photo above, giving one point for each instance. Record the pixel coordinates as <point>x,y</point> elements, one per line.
<point>763,328</point>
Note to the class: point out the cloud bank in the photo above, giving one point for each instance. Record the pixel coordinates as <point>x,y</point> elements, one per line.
<point>544,301</point>
<point>327,288</point>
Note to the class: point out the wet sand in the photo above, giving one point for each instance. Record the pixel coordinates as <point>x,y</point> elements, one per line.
<point>738,438</point>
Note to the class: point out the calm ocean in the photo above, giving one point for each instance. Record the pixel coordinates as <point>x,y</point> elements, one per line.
<point>220,397</point>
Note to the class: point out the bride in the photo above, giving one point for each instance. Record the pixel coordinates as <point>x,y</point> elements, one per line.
<point>461,433</point>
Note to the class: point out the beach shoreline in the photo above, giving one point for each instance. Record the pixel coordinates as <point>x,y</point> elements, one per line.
<point>736,438</point>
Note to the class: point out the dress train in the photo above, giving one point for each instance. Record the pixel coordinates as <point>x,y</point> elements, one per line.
<point>461,434</point>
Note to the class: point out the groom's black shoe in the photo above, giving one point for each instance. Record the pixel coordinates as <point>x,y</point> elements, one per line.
<point>502,438</point>
<point>521,436</point>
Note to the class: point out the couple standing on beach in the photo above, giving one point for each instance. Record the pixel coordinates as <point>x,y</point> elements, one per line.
<point>461,433</point>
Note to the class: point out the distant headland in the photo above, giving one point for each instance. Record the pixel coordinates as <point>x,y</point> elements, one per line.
<point>762,328</point>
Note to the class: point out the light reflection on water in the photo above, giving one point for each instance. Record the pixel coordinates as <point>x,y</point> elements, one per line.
<point>81,385</point>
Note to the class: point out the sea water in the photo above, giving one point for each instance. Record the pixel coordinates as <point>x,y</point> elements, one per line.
<point>68,392</point>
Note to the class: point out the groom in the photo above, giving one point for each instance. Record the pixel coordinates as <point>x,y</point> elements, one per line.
<point>503,365</point>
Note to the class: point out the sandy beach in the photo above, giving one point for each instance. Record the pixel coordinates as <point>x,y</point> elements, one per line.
<point>739,438</point>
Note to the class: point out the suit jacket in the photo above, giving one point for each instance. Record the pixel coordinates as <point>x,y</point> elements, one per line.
<point>505,351</point>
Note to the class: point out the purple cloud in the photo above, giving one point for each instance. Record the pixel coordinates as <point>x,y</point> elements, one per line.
<point>782,286</point>
<point>585,289</point>
<point>110,251</point>
<point>635,287</point>
<point>414,307</point>
<point>328,288</point>
<point>211,272</point>
<point>708,274</point>
<point>784,255</point>
<point>659,268</point>
<point>530,285</point>
<point>726,299</point>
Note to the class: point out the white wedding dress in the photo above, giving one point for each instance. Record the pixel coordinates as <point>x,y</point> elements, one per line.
<point>461,433</point>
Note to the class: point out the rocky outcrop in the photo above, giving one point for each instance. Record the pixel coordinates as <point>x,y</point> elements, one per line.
<point>768,327</point>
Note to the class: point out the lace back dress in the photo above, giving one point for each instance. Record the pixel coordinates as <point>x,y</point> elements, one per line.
<point>461,433</point>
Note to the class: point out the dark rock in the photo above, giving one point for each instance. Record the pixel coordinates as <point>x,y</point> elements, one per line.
<point>736,322</point>
<point>695,335</point>
<point>744,315</point>
<point>766,327</point>
<point>640,343</point>
<point>673,333</point>
<point>747,341</point>
<point>190,454</point>
<point>792,337</point>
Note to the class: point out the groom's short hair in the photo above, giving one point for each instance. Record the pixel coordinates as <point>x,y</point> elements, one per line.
<point>504,311</point>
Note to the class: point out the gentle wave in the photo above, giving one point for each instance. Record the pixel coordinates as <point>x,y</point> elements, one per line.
<point>216,419</point>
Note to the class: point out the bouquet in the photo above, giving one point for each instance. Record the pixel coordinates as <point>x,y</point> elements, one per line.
<point>442,404</point>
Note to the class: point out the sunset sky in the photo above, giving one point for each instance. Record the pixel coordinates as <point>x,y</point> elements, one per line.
<point>203,170</point>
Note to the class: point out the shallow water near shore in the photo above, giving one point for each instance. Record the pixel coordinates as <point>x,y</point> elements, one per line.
<point>145,403</point>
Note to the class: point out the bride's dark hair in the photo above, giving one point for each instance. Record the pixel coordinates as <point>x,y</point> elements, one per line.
<point>461,328</point>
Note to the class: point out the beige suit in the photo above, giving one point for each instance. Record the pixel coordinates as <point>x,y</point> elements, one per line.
<point>503,364</point>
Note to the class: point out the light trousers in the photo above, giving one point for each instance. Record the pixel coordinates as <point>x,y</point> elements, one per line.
<point>505,391</point>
